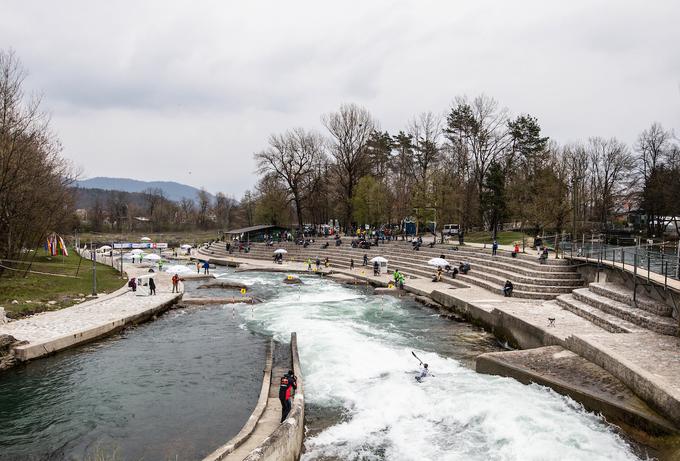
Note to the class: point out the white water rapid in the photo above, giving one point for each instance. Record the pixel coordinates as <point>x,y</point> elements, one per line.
<point>356,358</point>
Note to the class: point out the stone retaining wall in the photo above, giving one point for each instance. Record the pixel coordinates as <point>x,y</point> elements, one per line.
<point>285,443</point>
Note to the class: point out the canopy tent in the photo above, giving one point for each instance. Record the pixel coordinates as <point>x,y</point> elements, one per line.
<point>145,239</point>
<point>104,247</point>
<point>280,251</point>
<point>152,257</point>
<point>137,251</point>
<point>185,246</point>
<point>379,259</point>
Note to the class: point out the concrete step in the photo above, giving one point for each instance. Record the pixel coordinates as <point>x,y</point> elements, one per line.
<point>662,325</point>
<point>417,265</point>
<point>625,296</point>
<point>609,322</point>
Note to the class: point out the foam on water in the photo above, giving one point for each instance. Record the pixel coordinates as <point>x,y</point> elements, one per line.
<point>356,355</point>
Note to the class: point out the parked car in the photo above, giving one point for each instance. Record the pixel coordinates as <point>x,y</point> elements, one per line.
<point>451,229</point>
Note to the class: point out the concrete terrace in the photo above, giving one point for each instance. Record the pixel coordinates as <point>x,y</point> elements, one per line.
<point>638,346</point>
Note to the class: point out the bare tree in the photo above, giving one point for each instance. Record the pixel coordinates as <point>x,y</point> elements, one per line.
<point>652,146</point>
<point>611,164</point>
<point>350,128</point>
<point>35,192</point>
<point>292,157</point>
<point>203,211</point>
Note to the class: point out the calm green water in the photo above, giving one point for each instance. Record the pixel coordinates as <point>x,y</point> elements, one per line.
<point>175,388</point>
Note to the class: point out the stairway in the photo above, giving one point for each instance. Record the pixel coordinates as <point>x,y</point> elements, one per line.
<point>611,307</point>
<point>531,279</point>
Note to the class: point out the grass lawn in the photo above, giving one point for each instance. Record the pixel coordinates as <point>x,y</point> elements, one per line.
<point>503,237</point>
<point>35,291</point>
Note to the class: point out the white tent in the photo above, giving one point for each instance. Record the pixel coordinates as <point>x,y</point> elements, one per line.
<point>379,259</point>
<point>152,257</point>
<point>186,246</point>
<point>137,251</point>
<point>105,247</point>
<point>280,251</point>
<point>145,239</point>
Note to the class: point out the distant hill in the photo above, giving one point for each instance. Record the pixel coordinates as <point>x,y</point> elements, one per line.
<point>172,190</point>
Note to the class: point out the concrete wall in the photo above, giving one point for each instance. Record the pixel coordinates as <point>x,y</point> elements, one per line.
<point>255,416</point>
<point>285,443</point>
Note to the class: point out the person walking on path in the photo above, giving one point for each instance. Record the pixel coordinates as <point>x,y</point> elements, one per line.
<point>494,247</point>
<point>351,264</point>
<point>198,267</point>
<point>152,286</point>
<point>175,283</point>
<point>318,264</point>
<point>133,284</point>
<point>206,268</point>
<point>309,264</point>
<point>515,250</point>
<point>365,259</point>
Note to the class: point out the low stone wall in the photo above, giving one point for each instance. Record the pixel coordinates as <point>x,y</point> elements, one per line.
<point>285,443</point>
<point>255,416</point>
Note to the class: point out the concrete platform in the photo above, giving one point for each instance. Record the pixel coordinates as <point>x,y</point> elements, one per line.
<point>569,374</point>
<point>49,332</point>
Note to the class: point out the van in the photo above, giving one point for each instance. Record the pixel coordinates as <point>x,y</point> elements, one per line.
<point>451,229</point>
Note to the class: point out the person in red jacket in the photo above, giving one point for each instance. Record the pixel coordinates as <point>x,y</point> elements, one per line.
<point>286,387</point>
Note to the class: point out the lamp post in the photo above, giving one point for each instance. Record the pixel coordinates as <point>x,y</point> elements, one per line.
<point>93,255</point>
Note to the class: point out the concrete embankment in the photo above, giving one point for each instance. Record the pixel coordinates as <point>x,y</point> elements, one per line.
<point>264,437</point>
<point>49,332</point>
<point>569,374</point>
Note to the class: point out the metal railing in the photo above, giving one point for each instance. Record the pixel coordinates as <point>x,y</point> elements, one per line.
<point>662,258</point>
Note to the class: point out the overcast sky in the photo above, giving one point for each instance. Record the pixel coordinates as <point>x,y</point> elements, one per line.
<point>188,91</point>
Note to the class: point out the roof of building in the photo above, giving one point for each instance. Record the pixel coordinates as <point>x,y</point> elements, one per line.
<point>244,230</point>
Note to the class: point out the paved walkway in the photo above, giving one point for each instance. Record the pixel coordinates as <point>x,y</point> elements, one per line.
<point>48,332</point>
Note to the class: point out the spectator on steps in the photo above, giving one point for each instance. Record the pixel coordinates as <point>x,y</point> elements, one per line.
<point>351,264</point>
<point>464,267</point>
<point>543,257</point>
<point>175,283</point>
<point>376,268</point>
<point>494,247</point>
<point>515,251</point>
<point>365,259</point>
<point>507,289</point>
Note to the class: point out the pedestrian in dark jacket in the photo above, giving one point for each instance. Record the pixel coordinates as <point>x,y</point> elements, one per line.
<point>152,286</point>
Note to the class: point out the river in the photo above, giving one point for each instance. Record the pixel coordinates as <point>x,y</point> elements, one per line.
<point>178,387</point>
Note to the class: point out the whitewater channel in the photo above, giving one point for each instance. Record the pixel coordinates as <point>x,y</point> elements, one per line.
<point>180,386</point>
<point>363,402</point>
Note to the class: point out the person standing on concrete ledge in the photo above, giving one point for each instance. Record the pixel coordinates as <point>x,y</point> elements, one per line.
<point>494,248</point>
<point>287,385</point>
<point>175,283</point>
<point>206,268</point>
<point>152,286</point>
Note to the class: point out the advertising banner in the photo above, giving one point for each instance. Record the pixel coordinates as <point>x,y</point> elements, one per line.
<point>144,245</point>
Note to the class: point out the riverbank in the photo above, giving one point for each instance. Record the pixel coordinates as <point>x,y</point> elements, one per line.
<point>45,333</point>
